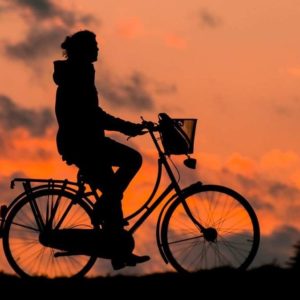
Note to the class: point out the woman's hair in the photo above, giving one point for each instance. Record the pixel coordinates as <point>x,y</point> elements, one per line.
<point>76,44</point>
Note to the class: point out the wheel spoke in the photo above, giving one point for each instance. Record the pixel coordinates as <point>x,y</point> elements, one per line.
<point>21,240</point>
<point>231,237</point>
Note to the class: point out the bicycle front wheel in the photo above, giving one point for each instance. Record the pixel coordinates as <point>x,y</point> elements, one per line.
<point>230,238</point>
<point>21,239</point>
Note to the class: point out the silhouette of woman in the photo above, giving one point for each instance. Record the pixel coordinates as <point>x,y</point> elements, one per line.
<point>81,138</point>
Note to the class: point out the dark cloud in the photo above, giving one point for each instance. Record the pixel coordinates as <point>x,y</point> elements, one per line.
<point>42,10</point>
<point>258,203</point>
<point>133,92</point>
<point>275,189</point>
<point>41,37</point>
<point>264,194</point>
<point>207,19</point>
<point>37,44</point>
<point>247,183</point>
<point>130,93</point>
<point>288,108</point>
<point>283,191</point>
<point>283,110</point>
<point>277,247</point>
<point>13,116</point>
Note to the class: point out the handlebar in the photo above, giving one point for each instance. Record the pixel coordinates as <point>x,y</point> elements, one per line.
<point>150,126</point>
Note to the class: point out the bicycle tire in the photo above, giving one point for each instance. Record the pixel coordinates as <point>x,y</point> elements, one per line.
<point>231,219</point>
<point>21,244</point>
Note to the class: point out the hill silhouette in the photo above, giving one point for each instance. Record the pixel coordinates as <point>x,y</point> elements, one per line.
<point>265,280</point>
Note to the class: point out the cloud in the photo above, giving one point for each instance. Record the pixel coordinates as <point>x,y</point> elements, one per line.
<point>8,194</point>
<point>3,8</point>
<point>281,190</point>
<point>287,108</point>
<point>48,24</point>
<point>274,200</point>
<point>277,247</point>
<point>42,10</point>
<point>164,88</point>
<point>130,93</point>
<point>37,44</point>
<point>274,188</point>
<point>13,116</point>
<point>207,19</point>
<point>135,92</point>
<point>270,196</point>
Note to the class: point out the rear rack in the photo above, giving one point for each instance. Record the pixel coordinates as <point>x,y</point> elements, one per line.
<point>38,180</point>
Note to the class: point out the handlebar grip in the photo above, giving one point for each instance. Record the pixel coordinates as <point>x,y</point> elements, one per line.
<point>150,125</point>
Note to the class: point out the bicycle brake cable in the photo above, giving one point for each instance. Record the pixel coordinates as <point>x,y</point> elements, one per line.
<point>175,167</point>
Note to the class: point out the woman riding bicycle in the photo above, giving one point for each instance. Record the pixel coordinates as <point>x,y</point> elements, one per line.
<point>81,136</point>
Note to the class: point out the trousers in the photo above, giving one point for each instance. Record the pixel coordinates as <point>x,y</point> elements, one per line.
<point>97,166</point>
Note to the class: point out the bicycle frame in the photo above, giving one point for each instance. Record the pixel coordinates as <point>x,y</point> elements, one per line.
<point>162,161</point>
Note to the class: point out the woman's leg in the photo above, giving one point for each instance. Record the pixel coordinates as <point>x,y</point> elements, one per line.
<point>112,185</point>
<point>128,161</point>
<point>98,172</point>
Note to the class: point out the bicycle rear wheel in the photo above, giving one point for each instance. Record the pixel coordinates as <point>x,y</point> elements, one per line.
<point>21,239</point>
<point>231,238</point>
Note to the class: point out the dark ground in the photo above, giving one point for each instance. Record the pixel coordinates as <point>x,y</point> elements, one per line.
<point>226,283</point>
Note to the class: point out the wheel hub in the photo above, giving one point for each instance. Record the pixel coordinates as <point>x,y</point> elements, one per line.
<point>210,234</point>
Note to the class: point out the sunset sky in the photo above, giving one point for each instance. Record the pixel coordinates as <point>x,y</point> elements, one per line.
<point>234,65</point>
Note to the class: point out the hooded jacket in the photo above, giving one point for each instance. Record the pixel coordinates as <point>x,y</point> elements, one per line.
<point>80,119</point>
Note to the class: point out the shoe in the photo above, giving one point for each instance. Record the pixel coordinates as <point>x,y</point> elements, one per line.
<point>131,261</point>
<point>117,264</point>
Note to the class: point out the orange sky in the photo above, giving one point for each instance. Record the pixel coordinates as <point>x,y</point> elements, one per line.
<point>234,65</point>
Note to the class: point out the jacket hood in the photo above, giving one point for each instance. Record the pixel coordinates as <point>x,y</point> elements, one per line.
<point>66,71</point>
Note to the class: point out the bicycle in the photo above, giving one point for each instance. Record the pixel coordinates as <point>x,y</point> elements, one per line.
<point>47,229</point>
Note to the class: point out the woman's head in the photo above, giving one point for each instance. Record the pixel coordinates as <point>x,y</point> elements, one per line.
<point>82,46</point>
